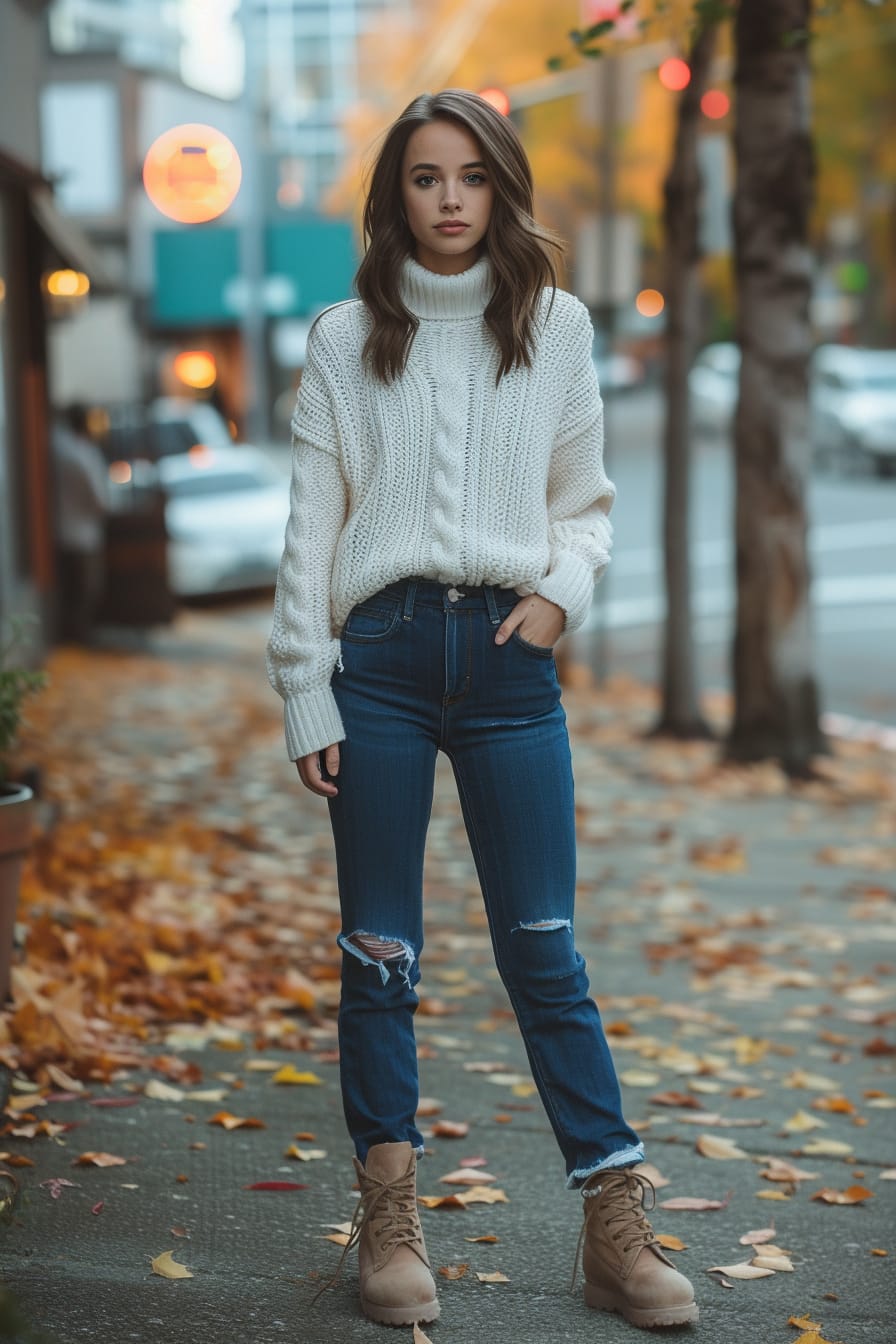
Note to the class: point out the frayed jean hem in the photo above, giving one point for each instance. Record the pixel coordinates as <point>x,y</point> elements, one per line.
<point>625,1157</point>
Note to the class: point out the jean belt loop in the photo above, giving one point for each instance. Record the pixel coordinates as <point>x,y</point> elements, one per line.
<point>410,593</point>
<point>491,604</point>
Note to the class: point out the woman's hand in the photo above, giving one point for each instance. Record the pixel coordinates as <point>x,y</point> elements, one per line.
<point>538,620</point>
<point>310,771</point>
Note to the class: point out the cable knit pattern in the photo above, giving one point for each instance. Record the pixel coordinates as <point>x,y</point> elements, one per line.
<point>440,474</point>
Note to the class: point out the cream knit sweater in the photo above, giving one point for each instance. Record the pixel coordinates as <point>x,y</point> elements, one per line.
<point>440,474</point>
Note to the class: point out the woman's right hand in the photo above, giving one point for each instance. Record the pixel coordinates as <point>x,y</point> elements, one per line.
<point>310,771</point>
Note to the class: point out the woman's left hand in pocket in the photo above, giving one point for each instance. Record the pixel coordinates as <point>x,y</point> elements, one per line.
<point>538,620</point>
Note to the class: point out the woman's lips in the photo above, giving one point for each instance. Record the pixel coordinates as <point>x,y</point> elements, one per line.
<point>452,228</point>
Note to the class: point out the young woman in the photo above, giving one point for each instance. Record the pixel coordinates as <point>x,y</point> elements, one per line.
<point>448,520</point>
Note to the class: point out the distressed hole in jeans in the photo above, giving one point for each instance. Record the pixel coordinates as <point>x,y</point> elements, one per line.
<point>544,925</point>
<point>374,950</point>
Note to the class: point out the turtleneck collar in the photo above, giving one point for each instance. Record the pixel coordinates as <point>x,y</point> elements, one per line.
<point>429,295</point>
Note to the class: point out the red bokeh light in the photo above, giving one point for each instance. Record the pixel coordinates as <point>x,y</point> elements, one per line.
<point>715,104</point>
<point>498,99</point>
<point>675,73</point>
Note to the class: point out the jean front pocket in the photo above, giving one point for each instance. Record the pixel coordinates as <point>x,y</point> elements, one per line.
<point>373,620</point>
<point>534,650</point>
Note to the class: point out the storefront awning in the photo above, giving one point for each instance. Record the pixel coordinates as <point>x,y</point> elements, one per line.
<point>68,240</point>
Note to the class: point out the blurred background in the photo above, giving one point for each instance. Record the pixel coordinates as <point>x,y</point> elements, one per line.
<point>180,190</point>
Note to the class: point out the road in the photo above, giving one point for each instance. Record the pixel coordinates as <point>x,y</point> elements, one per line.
<point>853,556</point>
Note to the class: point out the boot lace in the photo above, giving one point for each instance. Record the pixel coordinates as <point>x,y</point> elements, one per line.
<point>622,1206</point>
<point>391,1209</point>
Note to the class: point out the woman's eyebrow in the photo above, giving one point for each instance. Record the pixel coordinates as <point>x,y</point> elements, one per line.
<point>434,167</point>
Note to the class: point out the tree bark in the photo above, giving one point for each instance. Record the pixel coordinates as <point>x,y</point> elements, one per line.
<point>776,710</point>
<point>680,714</point>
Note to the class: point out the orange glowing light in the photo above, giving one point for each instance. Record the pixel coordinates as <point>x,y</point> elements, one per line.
<point>675,74</point>
<point>195,368</point>
<point>498,99</point>
<point>192,173</point>
<point>120,472</point>
<point>650,303</point>
<point>715,104</point>
<point>67,284</point>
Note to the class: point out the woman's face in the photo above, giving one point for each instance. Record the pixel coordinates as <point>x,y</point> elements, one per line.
<point>447,196</point>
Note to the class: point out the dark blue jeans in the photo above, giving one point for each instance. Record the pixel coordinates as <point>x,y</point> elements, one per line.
<point>421,672</point>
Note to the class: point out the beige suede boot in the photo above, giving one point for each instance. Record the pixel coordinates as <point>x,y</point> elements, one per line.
<point>397,1287</point>
<point>625,1268</point>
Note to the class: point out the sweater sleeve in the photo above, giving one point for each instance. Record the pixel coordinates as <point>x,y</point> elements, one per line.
<point>579,494</point>
<point>302,651</point>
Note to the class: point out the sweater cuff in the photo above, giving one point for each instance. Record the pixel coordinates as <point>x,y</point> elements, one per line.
<point>312,722</point>
<point>570,584</point>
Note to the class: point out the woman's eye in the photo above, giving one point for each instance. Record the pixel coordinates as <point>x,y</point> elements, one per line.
<point>476,179</point>
<point>424,180</point>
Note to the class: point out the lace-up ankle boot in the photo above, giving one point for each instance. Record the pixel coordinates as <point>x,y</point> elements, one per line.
<point>625,1268</point>
<point>397,1287</point>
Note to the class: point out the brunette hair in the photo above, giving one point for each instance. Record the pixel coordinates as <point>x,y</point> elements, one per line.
<point>522,258</point>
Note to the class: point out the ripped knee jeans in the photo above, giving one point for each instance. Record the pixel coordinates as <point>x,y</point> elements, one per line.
<point>422,674</point>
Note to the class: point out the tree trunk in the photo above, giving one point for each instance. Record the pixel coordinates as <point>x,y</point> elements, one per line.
<point>680,713</point>
<point>776,710</point>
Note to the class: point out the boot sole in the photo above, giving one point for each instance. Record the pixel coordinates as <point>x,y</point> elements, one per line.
<point>423,1311</point>
<point>642,1316</point>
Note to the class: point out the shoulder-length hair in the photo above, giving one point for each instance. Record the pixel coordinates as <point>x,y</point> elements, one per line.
<point>521,251</point>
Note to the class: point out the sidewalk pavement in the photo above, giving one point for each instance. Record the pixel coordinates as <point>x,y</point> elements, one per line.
<point>739,935</point>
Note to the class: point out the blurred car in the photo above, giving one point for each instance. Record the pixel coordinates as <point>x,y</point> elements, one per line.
<point>616,372</point>
<point>853,407</point>
<point>225,515</point>
<point>199,420</point>
<point>713,387</point>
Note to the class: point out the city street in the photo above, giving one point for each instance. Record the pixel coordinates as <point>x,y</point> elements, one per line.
<point>853,552</point>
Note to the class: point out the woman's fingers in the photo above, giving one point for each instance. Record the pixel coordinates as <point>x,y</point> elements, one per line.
<point>309,768</point>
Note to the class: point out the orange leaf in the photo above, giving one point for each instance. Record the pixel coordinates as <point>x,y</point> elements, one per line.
<point>453,1271</point>
<point>854,1194</point>
<point>670,1243</point>
<point>99,1160</point>
<point>451,1129</point>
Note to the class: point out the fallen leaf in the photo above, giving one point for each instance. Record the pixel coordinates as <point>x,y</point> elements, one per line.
<point>289,1074</point>
<point>639,1077</point>
<point>483,1194</point>
<point>888,1175</point>
<point>275,1185</point>
<point>803,1323</point>
<point>419,1337</point>
<point>490,1239</point>
<point>758,1237</point>
<point>653,1174</point>
<point>441,1201</point>
<point>854,1194</point>
<point>771,1194</point>
<point>825,1148</point>
<point>742,1270</point>
<point>228,1121</point>
<point>778,1263</point>
<point>453,1271</point>
<point>428,1106</point>
<point>694,1204</point>
<point>464,1176</point>
<point>474,1162</point>
<point>160,1091</point>
<point>304,1154</point>
<point>495,1277</point>
<point>778,1170</point>
<point>878,1250</point>
<point>684,1100</point>
<point>800,1122</point>
<point>168,1268</point>
<point>837,1105</point>
<point>709,1145</point>
<point>671,1243</point>
<point>451,1129</point>
<point>99,1160</point>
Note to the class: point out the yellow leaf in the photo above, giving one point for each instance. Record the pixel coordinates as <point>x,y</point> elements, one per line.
<point>778,1170</point>
<point>496,1277</point>
<point>290,1074</point>
<point>483,1194</point>
<point>779,1263</point>
<point>708,1145</point>
<point>305,1154</point>
<point>639,1078</point>
<point>168,1268</point>
<point>670,1242</point>
<point>419,1337</point>
<point>771,1194</point>
<point>467,1176</point>
<point>453,1271</point>
<point>99,1160</point>
<point>800,1122</point>
<point>160,1091</point>
<point>854,1194</point>
<point>826,1148</point>
<point>804,1323</point>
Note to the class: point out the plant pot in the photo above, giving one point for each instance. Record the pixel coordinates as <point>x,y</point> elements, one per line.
<point>16,807</point>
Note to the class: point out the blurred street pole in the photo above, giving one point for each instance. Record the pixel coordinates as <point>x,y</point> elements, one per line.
<point>252,251</point>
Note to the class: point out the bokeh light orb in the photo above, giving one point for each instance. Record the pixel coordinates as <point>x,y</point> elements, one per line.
<point>498,99</point>
<point>195,368</point>
<point>715,104</point>
<point>650,303</point>
<point>192,173</point>
<point>675,73</point>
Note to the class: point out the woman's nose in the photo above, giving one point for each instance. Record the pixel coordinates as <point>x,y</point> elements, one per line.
<point>450,198</point>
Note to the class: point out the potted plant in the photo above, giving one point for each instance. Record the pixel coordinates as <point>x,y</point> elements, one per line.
<point>16,800</point>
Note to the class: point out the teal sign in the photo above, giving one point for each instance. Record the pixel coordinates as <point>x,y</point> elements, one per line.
<point>310,263</point>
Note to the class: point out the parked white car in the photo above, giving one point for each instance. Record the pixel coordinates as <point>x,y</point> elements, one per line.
<point>713,384</point>
<point>853,403</point>
<point>226,511</point>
